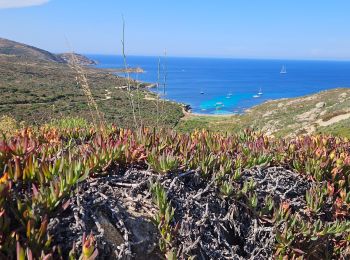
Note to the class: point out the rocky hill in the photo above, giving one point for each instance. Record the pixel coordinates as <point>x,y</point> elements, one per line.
<point>27,52</point>
<point>80,59</point>
<point>8,47</point>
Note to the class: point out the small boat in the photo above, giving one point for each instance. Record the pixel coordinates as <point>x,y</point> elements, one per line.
<point>283,70</point>
<point>202,93</point>
<point>260,92</point>
<point>256,96</point>
<point>219,105</point>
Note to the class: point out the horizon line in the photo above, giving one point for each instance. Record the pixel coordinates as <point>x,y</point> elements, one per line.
<point>223,57</point>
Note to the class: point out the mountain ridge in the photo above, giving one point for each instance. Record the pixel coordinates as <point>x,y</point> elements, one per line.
<point>13,48</point>
<point>9,47</point>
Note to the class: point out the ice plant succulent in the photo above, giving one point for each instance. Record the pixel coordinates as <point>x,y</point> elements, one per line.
<point>40,169</point>
<point>163,219</point>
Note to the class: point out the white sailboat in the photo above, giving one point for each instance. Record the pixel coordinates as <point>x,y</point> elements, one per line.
<point>259,94</point>
<point>283,70</point>
<point>219,105</point>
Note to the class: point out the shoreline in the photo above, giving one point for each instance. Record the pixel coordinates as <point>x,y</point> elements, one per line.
<point>279,100</point>
<point>123,70</point>
<point>186,108</point>
<point>188,113</point>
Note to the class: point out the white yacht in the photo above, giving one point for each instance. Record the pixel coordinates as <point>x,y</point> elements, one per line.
<point>283,70</point>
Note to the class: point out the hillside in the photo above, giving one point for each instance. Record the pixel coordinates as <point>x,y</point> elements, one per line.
<point>8,47</point>
<point>37,91</point>
<point>24,51</point>
<point>80,59</point>
<point>324,112</point>
<point>42,83</point>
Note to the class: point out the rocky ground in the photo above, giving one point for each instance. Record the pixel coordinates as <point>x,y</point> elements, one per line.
<point>118,210</point>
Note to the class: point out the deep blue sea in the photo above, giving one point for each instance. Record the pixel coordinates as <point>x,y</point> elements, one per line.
<point>225,86</point>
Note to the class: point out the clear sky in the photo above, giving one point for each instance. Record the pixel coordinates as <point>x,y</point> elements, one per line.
<point>297,29</point>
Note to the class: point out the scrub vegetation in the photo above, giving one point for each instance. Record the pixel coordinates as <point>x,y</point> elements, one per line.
<point>91,169</point>
<point>294,195</point>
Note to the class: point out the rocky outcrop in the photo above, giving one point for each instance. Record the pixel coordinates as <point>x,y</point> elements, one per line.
<point>78,58</point>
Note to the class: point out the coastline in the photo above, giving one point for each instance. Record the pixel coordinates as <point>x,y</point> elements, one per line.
<point>186,108</point>
<point>326,112</point>
<point>267,102</point>
<point>123,70</point>
<point>188,113</point>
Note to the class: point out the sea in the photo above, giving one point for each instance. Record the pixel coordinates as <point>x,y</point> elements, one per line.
<point>230,86</point>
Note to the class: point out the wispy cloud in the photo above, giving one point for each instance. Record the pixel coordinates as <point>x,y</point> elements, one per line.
<point>20,3</point>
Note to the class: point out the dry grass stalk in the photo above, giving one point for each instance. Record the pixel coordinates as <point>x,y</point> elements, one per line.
<point>138,98</point>
<point>82,81</point>
<point>158,82</point>
<point>161,107</point>
<point>127,76</point>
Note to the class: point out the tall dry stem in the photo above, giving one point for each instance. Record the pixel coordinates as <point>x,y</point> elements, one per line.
<point>157,90</point>
<point>127,76</point>
<point>138,99</point>
<point>82,81</point>
<point>161,88</point>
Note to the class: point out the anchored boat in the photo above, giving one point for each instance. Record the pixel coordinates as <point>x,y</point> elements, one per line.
<point>283,70</point>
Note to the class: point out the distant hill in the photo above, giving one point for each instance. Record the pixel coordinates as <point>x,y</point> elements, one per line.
<point>8,47</point>
<point>37,91</point>
<point>80,59</point>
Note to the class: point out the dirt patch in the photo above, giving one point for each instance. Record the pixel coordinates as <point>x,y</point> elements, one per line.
<point>334,120</point>
<point>147,97</point>
<point>342,97</point>
<point>310,115</point>
<point>301,100</point>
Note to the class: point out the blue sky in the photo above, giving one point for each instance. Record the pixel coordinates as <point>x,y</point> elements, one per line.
<point>294,29</point>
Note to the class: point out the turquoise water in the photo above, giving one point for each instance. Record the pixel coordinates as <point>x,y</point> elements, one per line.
<point>220,103</point>
<point>227,86</point>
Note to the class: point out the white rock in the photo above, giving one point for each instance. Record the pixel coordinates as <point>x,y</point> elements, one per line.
<point>320,105</point>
